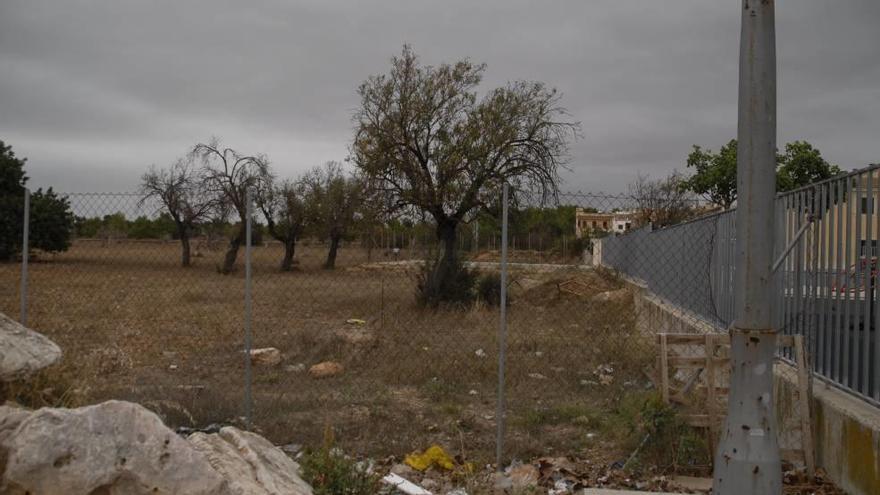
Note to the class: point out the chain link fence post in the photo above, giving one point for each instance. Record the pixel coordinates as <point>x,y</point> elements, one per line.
<point>248,312</point>
<point>502,337</point>
<point>25,251</point>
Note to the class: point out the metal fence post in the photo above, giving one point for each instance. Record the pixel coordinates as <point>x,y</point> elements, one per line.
<point>747,458</point>
<point>25,252</point>
<point>500,411</point>
<point>248,313</point>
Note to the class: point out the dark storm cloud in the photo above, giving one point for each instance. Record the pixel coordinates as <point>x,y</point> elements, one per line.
<point>93,92</point>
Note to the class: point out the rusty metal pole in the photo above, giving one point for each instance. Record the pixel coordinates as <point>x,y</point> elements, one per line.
<point>747,460</point>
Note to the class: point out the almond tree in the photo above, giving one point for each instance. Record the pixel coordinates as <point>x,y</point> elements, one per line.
<point>283,206</point>
<point>423,135</point>
<point>332,199</point>
<point>227,175</point>
<point>182,193</point>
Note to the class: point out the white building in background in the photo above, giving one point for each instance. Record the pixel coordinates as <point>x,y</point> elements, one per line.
<point>617,222</point>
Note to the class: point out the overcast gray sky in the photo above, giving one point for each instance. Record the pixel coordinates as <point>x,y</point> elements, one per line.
<point>92,93</point>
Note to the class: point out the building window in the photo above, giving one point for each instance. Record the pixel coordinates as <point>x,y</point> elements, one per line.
<point>863,244</point>
<point>867,207</point>
<point>605,225</point>
<point>628,224</point>
<point>594,224</point>
<point>620,227</point>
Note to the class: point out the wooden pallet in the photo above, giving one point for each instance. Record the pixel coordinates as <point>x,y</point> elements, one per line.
<point>703,362</point>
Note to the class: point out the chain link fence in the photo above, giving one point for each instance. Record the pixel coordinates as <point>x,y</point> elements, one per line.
<point>590,284</point>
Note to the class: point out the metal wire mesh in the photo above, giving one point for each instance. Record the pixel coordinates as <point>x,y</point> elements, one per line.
<point>592,281</point>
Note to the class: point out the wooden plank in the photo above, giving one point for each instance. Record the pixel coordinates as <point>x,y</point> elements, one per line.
<point>664,368</point>
<point>719,390</point>
<point>683,338</point>
<point>697,339</point>
<point>804,402</point>
<point>696,420</point>
<point>694,362</point>
<point>711,403</point>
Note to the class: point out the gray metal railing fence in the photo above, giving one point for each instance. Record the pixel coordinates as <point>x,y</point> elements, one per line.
<point>826,245</point>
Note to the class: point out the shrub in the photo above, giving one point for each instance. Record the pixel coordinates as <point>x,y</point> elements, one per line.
<point>659,435</point>
<point>330,472</point>
<point>444,282</point>
<point>489,290</point>
<point>582,244</point>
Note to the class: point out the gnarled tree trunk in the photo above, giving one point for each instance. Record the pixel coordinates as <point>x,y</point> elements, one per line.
<point>331,254</point>
<point>185,258</point>
<point>289,251</point>
<point>183,233</point>
<point>232,250</point>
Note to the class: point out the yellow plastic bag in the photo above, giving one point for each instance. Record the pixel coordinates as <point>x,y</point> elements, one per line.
<point>434,456</point>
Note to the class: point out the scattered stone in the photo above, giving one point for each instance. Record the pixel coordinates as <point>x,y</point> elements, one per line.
<point>113,447</point>
<point>537,376</point>
<point>267,356</point>
<point>480,353</point>
<point>403,470</point>
<point>23,351</point>
<point>501,483</point>
<point>326,369</point>
<point>295,368</point>
<point>172,367</point>
<point>355,321</point>
<point>473,392</point>
<point>249,463</point>
<point>605,373</point>
<point>523,476</point>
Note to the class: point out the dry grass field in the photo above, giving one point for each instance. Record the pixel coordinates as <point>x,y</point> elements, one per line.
<point>135,325</point>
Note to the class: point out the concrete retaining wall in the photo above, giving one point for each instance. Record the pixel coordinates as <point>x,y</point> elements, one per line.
<point>846,430</point>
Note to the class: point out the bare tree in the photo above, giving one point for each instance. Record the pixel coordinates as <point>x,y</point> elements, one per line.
<point>332,201</point>
<point>228,175</point>
<point>283,206</point>
<point>182,195</point>
<point>423,135</point>
<point>662,202</point>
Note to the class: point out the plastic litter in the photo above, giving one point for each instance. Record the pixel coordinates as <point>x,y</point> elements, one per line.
<point>433,456</point>
<point>404,485</point>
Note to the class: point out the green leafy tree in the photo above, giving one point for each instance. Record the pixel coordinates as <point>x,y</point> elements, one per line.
<point>51,218</point>
<point>424,136</point>
<point>12,183</point>
<point>801,165</point>
<point>715,173</point>
<point>715,177</point>
<point>51,221</point>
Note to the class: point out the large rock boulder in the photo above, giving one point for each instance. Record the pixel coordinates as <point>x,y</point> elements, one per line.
<point>250,463</point>
<point>112,448</point>
<point>23,351</point>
